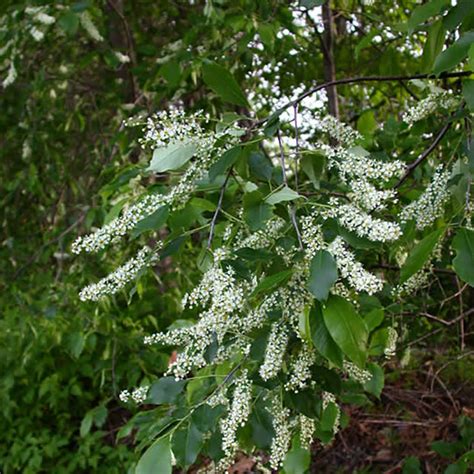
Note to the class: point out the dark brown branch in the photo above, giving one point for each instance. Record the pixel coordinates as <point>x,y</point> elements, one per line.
<point>360,79</point>
<point>412,166</point>
<point>329,64</point>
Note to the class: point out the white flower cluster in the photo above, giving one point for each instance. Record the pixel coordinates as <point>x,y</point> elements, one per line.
<point>362,223</point>
<point>300,369</point>
<point>117,280</point>
<point>219,397</point>
<point>88,25</point>
<point>275,351</point>
<point>343,134</point>
<point>430,205</point>
<point>11,75</point>
<point>39,15</point>
<point>354,372</point>
<point>368,197</point>
<point>357,276</point>
<point>328,398</point>
<point>391,346</point>
<point>138,395</point>
<point>417,281</point>
<point>311,236</point>
<point>281,440</point>
<point>437,99</point>
<point>224,299</point>
<point>307,429</point>
<point>356,163</point>
<point>178,195</point>
<point>173,126</point>
<point>238,414</point>
<point>264,237</point>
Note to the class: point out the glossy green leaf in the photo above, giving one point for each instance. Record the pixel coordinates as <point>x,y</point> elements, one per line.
<point>463,262</point>
<point>165,390</point>
<point>347,328</point>
<point>323,275</point>
<point>424,12</point>
<point>322,339</point>
<point>152,222</point>
<point>434,44</point>
<point>376,383</point>
<point>227,159</point>
<point>420,255</point>
<point>156,459</point>
<point>452,56</point>
<point>223,83</point>
<point>284,194</point>
<point>297,461</point>
<point>374,318</point>
<point>187,444</point>
<point>271,281</point>
<point>171,157</point>
<point>260,166</point>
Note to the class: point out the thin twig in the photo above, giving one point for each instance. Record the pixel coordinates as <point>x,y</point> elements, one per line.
<point>291,209</point>
<point>297,146</point>
<point>219,206</point>
<point>412,166</point>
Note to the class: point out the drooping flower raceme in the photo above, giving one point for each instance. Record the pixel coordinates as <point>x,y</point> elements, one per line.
<point>160,134</point>
<point>117,280</point>
<point>239,412</point>
<point>430,205</point>
<point>437,99</point>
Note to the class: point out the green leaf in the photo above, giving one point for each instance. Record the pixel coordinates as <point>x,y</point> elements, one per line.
<point>452,56</point>
<point>156,459</point>
<point>376,383</point>
<point>223,83</point>
<point>366,123</point>
<point>75,343</point>
<point>463,244</point>
<point>347,329</point>
<point>256,211</point>
<point>224,162</point>
<point>323,275</point>
<point>329,416</point>
<point>424,12</point>
<point>468,93</point>
<point>297,461</point>
<point>261,422</point>
<point>457,14</point>
<point>434,44</point>
<point>86,423</point>
<point>412,465</point>
<point>373,318</point>
<point>152,222</point>
<point>284,194</point>
<point>171,157</point>
<point>471,57</point>
<point>187,443</point>
<point>165,390</point>
<point>321,338</point>
<point>69,22</point>
<point>420,255</point>
<point>260,166</point>
<point>271,281</point>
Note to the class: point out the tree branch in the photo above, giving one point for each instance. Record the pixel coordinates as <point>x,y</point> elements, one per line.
<point>360,79</point>
<point>412,166</point>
